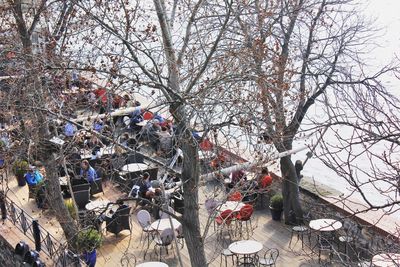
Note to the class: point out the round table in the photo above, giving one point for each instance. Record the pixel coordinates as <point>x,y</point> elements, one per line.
<point>231,205</point>
<point>162,224</point>
<point>386,260</point>
<point>152,264</point>
<point>246,248</point>
<point>97,205</point>
<point>325,225</point>
<point>134,167</point>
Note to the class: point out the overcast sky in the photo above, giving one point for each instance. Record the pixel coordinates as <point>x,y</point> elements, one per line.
<point>387,15</point>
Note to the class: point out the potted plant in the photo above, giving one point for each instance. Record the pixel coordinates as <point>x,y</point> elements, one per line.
<point>20,167</point>
<point>87,241</point>
<point>276,207</point>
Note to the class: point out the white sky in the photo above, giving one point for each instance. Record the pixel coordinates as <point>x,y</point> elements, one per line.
<point>386,13</point>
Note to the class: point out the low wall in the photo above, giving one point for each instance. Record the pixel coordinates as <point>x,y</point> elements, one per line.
<point>368,239</point>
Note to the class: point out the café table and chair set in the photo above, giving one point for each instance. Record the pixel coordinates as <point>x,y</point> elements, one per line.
<point>245,253</point>
<point>163,232</point>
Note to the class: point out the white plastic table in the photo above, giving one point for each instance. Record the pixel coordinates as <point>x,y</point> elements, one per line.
<point>325,225</point>
<point>162,224</point>
<point>386,260</point>
<point>134,167</point>
<point>246,248</point>
<point>97,205</point>
<point>152,264</point>
<point>231,205</point>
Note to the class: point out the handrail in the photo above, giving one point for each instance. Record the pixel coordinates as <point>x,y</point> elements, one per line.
<point>45,241</point>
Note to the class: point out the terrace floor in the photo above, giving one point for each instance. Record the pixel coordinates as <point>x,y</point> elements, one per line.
<point>270,233</point>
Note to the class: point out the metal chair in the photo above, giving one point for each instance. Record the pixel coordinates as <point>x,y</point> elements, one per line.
<point>179,236</point>
<point>128,259</point>
<point>270,257</point>
<point>244,216</point>
<point>224,221</point>
<point>164,215</point>
<point>144,220</point>
<point>164,240</point>
<point>300,231</point>
<point>324,245</point>
<point>227,253</point>
<point>211,207</point>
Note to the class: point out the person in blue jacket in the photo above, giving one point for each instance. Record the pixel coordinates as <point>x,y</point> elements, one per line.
<point>88,172</point>
<point>33,177</point>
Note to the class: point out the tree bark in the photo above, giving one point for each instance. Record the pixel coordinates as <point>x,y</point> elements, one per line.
<point>190,172</point>
<point>54,196</point>
<point>190,181</point>
<point>290,191</point>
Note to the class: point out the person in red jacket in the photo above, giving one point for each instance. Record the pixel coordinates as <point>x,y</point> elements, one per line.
<point>265,179</point>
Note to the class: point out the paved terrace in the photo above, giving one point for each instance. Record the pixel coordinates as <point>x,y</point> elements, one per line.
<point>270,233</point>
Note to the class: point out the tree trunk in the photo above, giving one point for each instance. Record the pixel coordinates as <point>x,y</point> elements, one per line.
<point>54,196</point>
<point>190,182</point>
<point>290,191</point>
<point>191,223</point>
<point>33,95</point>
<point>190,172</point>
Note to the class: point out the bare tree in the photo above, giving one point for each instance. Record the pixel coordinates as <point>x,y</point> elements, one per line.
<point>29,96</point>
<point>145,49</point>
<point>298,54</point>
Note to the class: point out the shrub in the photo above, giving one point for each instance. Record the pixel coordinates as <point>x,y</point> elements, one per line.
<point>276,202</point>
<point>20,167</point>
<point>88,239</point>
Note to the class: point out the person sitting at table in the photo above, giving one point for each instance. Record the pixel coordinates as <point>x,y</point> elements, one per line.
<point>237,179</point>
<point>88,172</point>
<point>70,129</point>
<point>128,102</point>
<point>124,139</point>
<point>33,176</point>
<point>94,143</point>
<point>265,179</point>
<point>98,125</point>
<point>165,141</point>
<point>145,188</point>
<point>136,117</point>
<point>152,131</point>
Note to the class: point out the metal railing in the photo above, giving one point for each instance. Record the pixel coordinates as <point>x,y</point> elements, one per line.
<point>44,241</point>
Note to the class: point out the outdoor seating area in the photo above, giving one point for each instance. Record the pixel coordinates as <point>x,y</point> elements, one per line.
<point>126,186</point>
